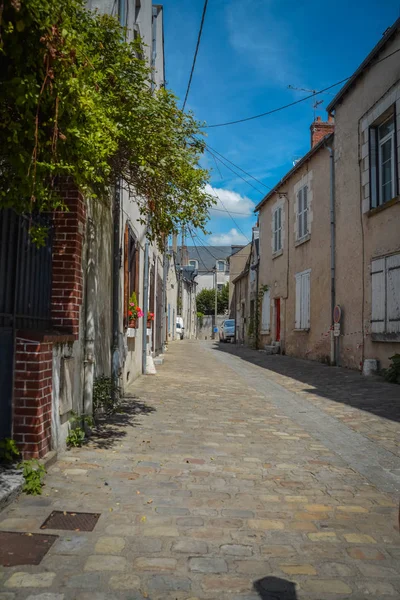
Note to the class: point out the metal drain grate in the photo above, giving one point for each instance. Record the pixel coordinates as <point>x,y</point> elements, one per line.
<point>73,521</point>
<point>24,548</point>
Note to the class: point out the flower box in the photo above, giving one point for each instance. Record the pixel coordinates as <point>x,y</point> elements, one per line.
<point>133,323</point>
<point>131,332</point>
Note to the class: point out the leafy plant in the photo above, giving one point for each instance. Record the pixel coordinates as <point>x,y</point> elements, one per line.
<point>33,472</point>
<point>77,100</point>
<point>77,434</point>
<point>200,317</point>
<point>103,396</point>
<point>8,450</point>
<point>205,300</point>
<point>392,373</point>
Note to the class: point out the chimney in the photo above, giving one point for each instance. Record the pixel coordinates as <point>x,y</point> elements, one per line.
<point>319,129</point>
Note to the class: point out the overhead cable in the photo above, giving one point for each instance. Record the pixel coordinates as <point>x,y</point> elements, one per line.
<point>195,54</point>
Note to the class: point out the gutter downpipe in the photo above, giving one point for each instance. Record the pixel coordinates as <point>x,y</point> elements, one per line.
<point>334,348</point>
<point>116,261</point>
<point>145,303</point>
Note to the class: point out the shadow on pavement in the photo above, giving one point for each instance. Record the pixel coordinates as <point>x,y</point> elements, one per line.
<point>274,588</point>
<point>338,384</point>
<point>110,428</point>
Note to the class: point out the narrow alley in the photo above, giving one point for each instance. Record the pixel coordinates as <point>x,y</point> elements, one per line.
<point>226,477</point>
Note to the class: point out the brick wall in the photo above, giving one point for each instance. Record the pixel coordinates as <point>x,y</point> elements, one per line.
<point>69,227</point>
<point>32,396</point>
<point>319,129</point>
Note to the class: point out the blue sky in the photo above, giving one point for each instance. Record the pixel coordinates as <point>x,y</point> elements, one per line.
<point>250,52</point>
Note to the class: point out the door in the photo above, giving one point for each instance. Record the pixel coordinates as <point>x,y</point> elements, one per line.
<point>277,319</point>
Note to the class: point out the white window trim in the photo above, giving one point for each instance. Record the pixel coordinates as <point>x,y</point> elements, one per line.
<point>196,265</point>
<point>217,266</point>
<point>300,317</point>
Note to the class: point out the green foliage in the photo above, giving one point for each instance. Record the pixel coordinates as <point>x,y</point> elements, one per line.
<point>76,100</point>
<point>33,472</point>
<point>103,396</point>
<point>206,300</point>
<point>392,373</point>
<point>8,450</point>
<point>200,317</point>
<point>77,435</point>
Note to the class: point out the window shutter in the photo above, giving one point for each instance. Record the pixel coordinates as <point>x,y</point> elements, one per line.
<point>279,228</point>
<point>378,296</point>
<point>126,275</point>
<point>299,213</point>
<point>275,230</point>
<point>306,301</point>
<point>298,302</point>
<point>393,294</point>
<point>305,211</point>
<point>266,310</point>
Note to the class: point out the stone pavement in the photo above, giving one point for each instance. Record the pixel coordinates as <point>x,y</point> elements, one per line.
<point>221,480</point>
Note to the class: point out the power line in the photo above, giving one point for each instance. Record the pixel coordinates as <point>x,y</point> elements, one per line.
<point>218,198</point>
<point>235,172</point>
<point>232,211</point>
<point>195,54</point>
<point>204,245</point>
<point>237,167</point>
<point>197,250</point>
<point>275,110</point>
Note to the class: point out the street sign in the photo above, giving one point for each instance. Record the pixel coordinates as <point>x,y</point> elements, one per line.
<point>215,329</point>
<point>336,329</point>
<point>337,314</point>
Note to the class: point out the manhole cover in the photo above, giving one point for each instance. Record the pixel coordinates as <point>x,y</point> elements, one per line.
<point>74,521</point>
<point>23,548</point>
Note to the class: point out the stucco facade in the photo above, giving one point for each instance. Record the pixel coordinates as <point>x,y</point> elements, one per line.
<point>237,263</point>
<point>365,233</point>
<point>285,257</point>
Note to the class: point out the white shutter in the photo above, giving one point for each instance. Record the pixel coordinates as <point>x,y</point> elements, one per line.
<point>393,293</point>
<point>305,211</point>
<point>266,311</point>
<point>306,301</point>
<point>300,213</point>
<point>298,301</point>
<point>378,296</point>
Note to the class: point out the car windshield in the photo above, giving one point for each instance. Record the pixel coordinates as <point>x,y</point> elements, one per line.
<point>230,323</point>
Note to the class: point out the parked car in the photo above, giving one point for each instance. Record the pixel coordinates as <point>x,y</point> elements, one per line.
<point>179,328</point>
<point>227,331</point>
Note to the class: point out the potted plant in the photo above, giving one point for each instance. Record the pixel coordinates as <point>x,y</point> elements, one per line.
<point>150,318</point>
<point>134,312</point>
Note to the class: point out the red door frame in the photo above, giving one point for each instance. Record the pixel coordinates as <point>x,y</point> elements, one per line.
<point>277,319</point>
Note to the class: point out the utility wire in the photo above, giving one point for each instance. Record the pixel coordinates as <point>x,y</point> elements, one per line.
<point>232,211</point>
<point>275,110</point>
<point>235,172</point>
<point>241,231</point>
<point>237,166</point>
<point>195,54</point>
<point>204,245</point>
<point>197,250</point>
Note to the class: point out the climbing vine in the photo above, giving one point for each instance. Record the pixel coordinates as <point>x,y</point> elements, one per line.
<point>76,100</point>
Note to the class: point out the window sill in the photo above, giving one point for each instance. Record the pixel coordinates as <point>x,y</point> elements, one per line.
<point>265,332</point>
<point>303,240</point>
<point>385,337</point>
<point>276,254</point>
<point>302,330</point>
<point>378,209</point>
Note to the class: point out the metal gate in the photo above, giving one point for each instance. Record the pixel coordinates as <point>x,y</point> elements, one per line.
<point>25,295</point>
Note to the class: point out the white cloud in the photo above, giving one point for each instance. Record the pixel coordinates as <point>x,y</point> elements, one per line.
<point>227,239</point>
<point>239,206</point>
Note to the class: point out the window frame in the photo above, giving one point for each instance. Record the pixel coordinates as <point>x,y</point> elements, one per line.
<point>375,156</point>
<point>302,213</point>
<point>221,261</point>
<point>277,229</point>
<point>196,263</point>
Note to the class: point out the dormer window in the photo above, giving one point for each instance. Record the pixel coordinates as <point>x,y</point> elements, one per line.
<point>193,263</point>
<point>220,265</point>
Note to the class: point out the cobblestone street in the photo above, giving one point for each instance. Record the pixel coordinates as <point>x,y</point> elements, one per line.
<point>229,475</point>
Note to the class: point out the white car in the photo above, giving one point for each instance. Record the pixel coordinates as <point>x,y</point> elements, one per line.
<point>227,331</point>
<point>179,328</point>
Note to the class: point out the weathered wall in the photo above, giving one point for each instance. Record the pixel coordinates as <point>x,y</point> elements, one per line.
<point>237,263</point>
<point>362,234</point>
<point>205,326</point>
<point>278,270</point>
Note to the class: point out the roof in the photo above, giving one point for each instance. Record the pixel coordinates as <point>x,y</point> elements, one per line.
<point>387,36</point>
<point>297,166</point>
<point>206,256</point>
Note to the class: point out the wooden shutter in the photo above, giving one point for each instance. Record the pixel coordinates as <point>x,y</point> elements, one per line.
<point>305,301</point>
<point>373,166</point>
<point>300,213</point>
<point>305,211</point>
<point>298,301</point>
<point>393,294</point>
<point>378,296</point>
<point>266,311</point>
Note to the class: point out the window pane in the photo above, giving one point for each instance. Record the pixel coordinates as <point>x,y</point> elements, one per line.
<point>300,226</point>
<point>305,197</point>
<point>299,201</point>
<point>279,218</point>
<point>305,222</point>
<point>386,128</point>
<point>275,220</point>
<point>279,239</point>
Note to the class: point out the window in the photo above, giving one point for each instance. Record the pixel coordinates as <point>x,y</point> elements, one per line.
<point>277,229</point>
<point>131,269</point>
<point>302,212</point>
<point>385,273</point>
<point>266,311</point>
<point>383,168</point>
<point>221,265</point>
<point>303,300</point>
<point>193,263</point>
<point>220,286</point>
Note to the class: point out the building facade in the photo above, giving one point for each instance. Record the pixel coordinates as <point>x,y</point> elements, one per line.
<point>211,264</point>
